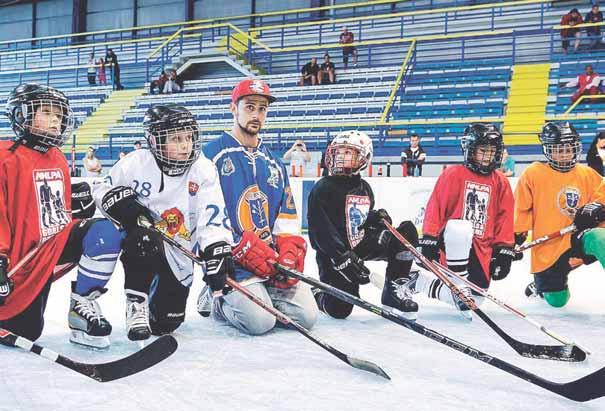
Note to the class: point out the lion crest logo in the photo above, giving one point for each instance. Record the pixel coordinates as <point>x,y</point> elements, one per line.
<point>173,224</point>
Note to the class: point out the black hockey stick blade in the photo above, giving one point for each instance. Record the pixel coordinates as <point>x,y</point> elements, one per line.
<point>147,357</point>
<point>584,389</point>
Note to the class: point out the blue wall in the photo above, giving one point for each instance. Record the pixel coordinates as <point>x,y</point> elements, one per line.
<point>16,22</point>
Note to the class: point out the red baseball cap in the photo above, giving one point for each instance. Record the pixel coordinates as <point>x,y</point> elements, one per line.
<point>251,87</point>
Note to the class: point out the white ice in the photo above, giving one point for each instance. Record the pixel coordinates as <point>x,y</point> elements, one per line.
<point>218,368</point>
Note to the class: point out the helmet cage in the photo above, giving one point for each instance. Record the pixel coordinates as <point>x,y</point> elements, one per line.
<point>157,137</point>
<point>45,121</point>
<point>345,159</point>
<point>563,156</point>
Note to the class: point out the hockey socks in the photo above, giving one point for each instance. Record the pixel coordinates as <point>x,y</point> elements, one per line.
<point>557,299</point>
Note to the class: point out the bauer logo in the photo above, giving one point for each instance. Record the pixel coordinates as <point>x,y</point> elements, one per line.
<point>52,214</point>
<point>356,210</point>
<point>476,204</point>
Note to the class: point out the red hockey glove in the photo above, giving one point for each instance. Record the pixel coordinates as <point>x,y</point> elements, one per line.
<point>292,250</point>
<point>255,255</point>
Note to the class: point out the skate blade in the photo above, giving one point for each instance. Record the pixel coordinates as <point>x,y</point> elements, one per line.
<point>89,341</point>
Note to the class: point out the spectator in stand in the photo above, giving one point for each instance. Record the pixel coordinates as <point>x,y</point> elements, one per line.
<point>309,73</point>
<point>596,153</point>
<point>508,164</point>
<point>414,157</point>
<point>92,165</point>
<point>298,157</point>
<point>587,83</point>
<point>347,37</point>
<point>137,145</point>
<point>92,70</point>
<point>172,83</point>
<point>572,18</point>
<point>327,73</point>
<point>158,84</point>
<point>594,33</point>
<point>112,60</point>
<point>101,72</point>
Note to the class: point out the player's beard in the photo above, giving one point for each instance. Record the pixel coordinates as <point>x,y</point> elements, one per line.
<point>246,130</point>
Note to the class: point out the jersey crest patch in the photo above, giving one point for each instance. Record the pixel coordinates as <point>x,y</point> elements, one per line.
<point>173,224</point>
<point>53,216</point>
<point>193,188</point>
<point>476,204</point>
<point>253,212</point>
<point>356,210</point>
<point>568,200</point>
<point>273,179</point>
<point>228,168</point>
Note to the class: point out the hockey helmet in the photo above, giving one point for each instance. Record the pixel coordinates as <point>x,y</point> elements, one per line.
<point>40,116</point>
<point>171,122</point>
<point>349,153</point>
<point>561,145</point>
<point>478,135</point>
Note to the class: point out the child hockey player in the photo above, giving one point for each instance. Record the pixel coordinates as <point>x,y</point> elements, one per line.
<point>551,196</point>
<point>345,230</point>
<point>173,186</point>
<point>33,171</point>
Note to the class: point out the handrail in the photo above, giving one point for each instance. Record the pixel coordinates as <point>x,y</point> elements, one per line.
<point>397,82</point>
<point>582,98</point>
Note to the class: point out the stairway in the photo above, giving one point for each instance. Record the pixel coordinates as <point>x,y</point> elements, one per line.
<point>526,108</point>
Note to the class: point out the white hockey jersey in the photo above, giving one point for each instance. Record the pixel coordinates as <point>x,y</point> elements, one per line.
<point>190,208</point>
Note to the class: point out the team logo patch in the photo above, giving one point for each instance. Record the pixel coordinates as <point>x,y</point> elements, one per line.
<point>567,201</point>
<point>173,224</point>
<point>273,179</point>
<point>257,87</point>
<point>52,214</point>
<point>228,168</point>
<point>193,188</point>
<point>253,212</point>
<point>356,210</point>
<point>476,204</point>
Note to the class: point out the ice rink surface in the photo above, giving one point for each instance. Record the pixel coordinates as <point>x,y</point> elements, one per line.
<point>218,368</point>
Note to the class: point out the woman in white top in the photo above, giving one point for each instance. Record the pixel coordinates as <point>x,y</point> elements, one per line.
<point>92,165</point>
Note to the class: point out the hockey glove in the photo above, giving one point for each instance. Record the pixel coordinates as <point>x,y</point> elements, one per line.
<point>374,218</point>
<point>142,243</point>
<point>6,284</point>
<point>589,216</point>
<point>577,248</point>
<point>219,265</point>
<point>121,205</point>
<point>519,240</point>
<point>429,247</point>
<point>255,255</point>
<point>82,203</point>
<point>292,250</point>
<point>499,266</point>
<point>351,267</point>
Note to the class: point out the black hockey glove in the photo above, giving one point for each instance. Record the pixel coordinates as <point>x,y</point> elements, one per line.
<point>375,232</point>
<point>374,218</point>
<point>6,284</point>
<point>519,240</point>
<point>219,265</point>
<point>589,216</point>
<point>577,247</point>
<point>351,267</point>
<point>82,203</point>
<point>142,243</point>
<point>499,266</point>
<point>429,247</point>
<point>121,205</point>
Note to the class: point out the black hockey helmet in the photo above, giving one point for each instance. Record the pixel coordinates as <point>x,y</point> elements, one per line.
<point>175,122</point>
<point>561,145</point>
<point>56,120</point>
<point>482,134</point>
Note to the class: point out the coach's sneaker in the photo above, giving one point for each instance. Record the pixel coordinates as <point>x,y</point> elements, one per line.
<point>86,322</point>
<point>204,302</point>
<point>398,294</point>
<point>137,315</point>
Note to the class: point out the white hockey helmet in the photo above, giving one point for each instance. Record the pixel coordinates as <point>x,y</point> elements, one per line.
<point>349,153</point>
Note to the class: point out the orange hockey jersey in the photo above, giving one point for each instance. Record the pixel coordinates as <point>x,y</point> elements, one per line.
<point>547,200</point>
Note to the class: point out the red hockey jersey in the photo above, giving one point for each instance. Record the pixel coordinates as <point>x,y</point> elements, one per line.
<point>486,201</point>
<point>34,188</point>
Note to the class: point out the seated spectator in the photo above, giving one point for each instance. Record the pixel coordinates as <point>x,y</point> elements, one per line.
<point>594,33</point>
<point>587,83</point>
<point>298,156</point>
<point>173,84</point>
<point>92,165</point>
<point>327,73</point>
<point>508,164</point>
<point>158,84</point>
<point>347,37</point>
<point>413,157</point>
<point>572,18</point>
<point>596,153</point>
<point>309,73</point>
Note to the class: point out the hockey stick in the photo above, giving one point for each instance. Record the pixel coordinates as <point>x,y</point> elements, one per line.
<point>584,389</point>
<point>578,351</point>
<point>545,238</point>
<point>281,317</point>
<point>149,356</point>
<point>547,352</point>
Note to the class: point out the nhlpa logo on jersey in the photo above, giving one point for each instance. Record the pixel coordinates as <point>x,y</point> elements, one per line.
<point>193,188</point>
<point>228,168</point>
<point>253,212</point>
<point>52,214</point>
<point>568,200</point>
<point>173,224</point>
<point>356,209</point>
<point>476,204</point>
